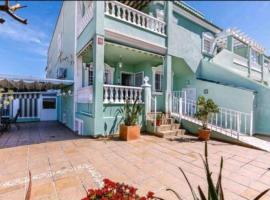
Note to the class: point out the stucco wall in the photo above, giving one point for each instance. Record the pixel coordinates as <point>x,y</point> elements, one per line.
<point>215,72</point>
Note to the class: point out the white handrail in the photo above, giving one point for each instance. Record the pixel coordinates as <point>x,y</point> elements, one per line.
<point>154,101</point>
<point>125,13</point>
<point>228,121</point>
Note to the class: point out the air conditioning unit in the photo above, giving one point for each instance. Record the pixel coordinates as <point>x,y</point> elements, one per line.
<point>61,73</point>
<point>79,126</point>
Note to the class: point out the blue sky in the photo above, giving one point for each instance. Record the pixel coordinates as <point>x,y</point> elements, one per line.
<point>23,48</point>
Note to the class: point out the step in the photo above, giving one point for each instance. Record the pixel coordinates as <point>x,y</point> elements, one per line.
<point>167,127</point>
<point>175,132</point>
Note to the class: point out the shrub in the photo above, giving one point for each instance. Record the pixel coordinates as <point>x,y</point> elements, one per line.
<point>116,191</point>
<point>204,109</point>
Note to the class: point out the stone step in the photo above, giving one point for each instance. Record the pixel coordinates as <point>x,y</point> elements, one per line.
<point>167,127</point>
<point>175,132</point>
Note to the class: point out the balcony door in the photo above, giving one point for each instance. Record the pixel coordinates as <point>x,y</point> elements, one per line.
<point>127,79</point>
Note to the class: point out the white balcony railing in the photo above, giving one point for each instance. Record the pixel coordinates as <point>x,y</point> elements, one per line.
<point>87,17</point>
<point>120,94</point>
<point>130,15</point>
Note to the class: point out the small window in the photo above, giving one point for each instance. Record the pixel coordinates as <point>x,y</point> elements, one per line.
<point>90,76</point>
<point>207,43</point>
<point>49,103</point>
<point>158,82</point>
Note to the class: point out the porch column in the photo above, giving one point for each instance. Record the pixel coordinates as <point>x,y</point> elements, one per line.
<point>98,69</point>
<point>168,82</point>
<point>167,63</point>
<point>147,95</point>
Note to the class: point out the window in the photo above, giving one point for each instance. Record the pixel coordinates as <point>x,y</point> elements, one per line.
<point>207,43</point>
<point>158,82</point>
<point>157,78</point>
<point>108,74</point>
<point>49,103</point>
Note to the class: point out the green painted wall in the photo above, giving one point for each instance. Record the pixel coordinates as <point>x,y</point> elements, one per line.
<point>185,78</point>
<point>224,75</point>
<point>113,118</point>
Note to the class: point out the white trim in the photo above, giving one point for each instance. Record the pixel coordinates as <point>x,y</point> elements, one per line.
<point>211,38</point>
<point>159,69</point>
<point>135,41</point>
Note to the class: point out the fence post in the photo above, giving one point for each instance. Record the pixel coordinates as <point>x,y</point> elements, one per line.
<point>185,105</point>
<point>180,108</point>
<point>251,123</point>
<point>238,124</point>
<point>147,96</point>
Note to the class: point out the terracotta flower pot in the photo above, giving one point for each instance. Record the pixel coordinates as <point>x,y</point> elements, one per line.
<point>129,132</point>
<point>158,122</point>
<point>204,134</point>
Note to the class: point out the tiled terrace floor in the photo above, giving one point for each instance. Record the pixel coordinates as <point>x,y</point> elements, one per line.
<point>64,165</point>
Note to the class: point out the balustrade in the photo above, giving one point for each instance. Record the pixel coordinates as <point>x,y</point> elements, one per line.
<point>125,13</point>
<point>120,94</point>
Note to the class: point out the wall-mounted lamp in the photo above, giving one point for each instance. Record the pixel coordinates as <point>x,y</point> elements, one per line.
<point>120,64</point>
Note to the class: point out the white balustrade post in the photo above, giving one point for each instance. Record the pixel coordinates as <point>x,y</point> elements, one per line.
<point>105,95</point>
<point>111,94</point>
<point>147,95</point>
<point>251,123</point>
<point>117,95</point>
<point>122,100</point>
<point>180,107</point>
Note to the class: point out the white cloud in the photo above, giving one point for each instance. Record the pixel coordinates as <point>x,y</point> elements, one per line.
<point>32,37</point>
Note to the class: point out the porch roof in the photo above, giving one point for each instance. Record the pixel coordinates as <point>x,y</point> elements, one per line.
<point>29,83</point>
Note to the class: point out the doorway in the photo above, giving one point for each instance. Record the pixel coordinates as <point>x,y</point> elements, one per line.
<point>127,79</point>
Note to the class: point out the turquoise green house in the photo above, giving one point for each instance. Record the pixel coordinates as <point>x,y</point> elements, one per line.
<point>163,53</point>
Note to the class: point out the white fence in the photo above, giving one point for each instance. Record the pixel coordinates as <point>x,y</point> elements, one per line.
<point>128,14</point>
<point>228,121</point>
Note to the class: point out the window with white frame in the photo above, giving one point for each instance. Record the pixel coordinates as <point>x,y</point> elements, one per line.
<point>207,43</point>
<point>157,78</point>
<point>108,74</point>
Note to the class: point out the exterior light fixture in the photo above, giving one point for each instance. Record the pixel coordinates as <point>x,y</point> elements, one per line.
<point>120,64</point>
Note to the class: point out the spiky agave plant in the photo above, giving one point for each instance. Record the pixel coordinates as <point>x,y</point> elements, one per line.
<point>131,112</point>
<point>215,191</point>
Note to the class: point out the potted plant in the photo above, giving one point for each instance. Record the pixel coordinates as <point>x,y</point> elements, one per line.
<point>204,109</point>
<point>158,119</point>
<point>130,130</point>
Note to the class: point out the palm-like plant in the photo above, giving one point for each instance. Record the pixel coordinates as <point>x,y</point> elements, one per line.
<point>131,112</point>
<point>215,191</point>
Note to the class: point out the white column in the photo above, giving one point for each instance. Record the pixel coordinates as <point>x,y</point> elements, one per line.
<point>147,95</point>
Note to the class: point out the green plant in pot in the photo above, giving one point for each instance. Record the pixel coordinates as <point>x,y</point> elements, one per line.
<point>130,130</point>
<point>205,108</point>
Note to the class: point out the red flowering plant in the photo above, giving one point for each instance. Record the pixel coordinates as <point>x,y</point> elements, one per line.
<point>116,191</point>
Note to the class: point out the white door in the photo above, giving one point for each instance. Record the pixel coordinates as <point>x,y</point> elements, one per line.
<point>48,110</point>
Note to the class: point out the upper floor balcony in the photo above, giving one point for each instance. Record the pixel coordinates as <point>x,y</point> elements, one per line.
<point>125,19</point>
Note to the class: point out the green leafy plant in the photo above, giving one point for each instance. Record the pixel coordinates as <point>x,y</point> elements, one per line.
<point>131,112</point>
<point>215,191</point>
<point>159,117</point>
<point>204,110</point>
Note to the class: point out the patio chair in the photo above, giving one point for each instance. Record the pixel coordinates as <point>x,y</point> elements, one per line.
<point>14,120</point>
